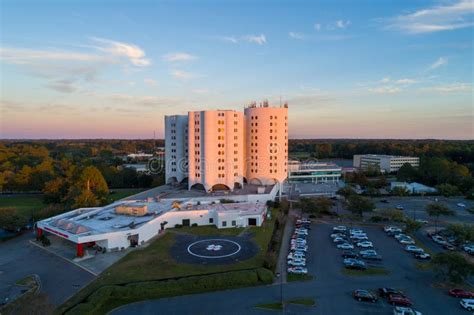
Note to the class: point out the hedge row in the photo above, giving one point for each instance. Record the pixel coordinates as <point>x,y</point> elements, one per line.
<point>98,302</point>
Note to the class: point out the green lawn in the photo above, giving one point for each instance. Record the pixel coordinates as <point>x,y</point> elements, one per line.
<point>115,195</point>
<point>25,204</point>
<point>293,277</point>
<point>367,272</point>
<point>277,306</point>
<point>154,262</point>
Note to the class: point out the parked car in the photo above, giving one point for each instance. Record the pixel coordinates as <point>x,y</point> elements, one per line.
<point>414,249</point>
<point>369,252</point>
<point>401,235</point>
<point>460,293</point>
<point>359,237</point>
<point>303,220</point>
<point>293,255</point>
<point>349,254</point>
<point>299,248</point>
<point>392,228</point>
<point>365,244</point>
<point>449,246</point>
<point>359,265</point>
<point>355,231</point>
<point>469,249</point>
<point>399,300</point>
<point>340,240</point>
<point>461,205</point>
<point>400,310</point>
<point>406,241</point>
<point>297,262</point>
<point>384,201</point>
<point>467,304</point>
<point>334,235</point>
<point>297,270</point>
<point>421,221</point>
<point>339,228</point>
<point>386,292</point>
<point>345,246</point>
<point>371,257</point>
<point>399,207</point>
<point>364,295</point>
<point>422,256</point>
<point>438,239</point>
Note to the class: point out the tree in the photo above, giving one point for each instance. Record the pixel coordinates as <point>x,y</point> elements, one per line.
<point>11,219</point>
<point>407,173</point>
<point>462,232</point>
<point>358,204</point>
<point>392,214</point>
<point>453,266</point>
<point>346,191</point>
<point>412,225</point>
<point>89,190</point>
<point>400,191</point>
<point>448,190</point>
<point>438,209</point>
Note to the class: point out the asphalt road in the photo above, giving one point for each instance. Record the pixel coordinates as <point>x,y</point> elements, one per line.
<point>330,288</point>
<point>59,278</point>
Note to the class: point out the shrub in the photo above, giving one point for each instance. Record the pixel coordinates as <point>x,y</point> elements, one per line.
<point>178,226</point>
<point>194,224</point>
<point>270,260</point>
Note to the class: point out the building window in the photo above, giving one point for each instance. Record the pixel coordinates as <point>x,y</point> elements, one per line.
<point>211,220</point>
<point>234,223</point>
<point>224,223</point>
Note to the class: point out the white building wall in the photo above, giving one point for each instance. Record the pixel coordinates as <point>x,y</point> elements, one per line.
<point>176,148</point>
<point>216,148</point>
<point>266,144</point>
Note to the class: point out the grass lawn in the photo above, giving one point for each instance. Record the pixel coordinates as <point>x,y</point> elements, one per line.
<point>154,262</point>
<point>25,204</point>
<point>423,266</point>
<point>122,193</point>
<point>366,272</point>
<point>277,306</point>
<point>293,277</point>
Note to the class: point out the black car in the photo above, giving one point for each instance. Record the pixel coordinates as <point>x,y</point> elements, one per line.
<point>364,295</point>
<point>386,292</point>
<point>349,254</point>
<point>371,257</point>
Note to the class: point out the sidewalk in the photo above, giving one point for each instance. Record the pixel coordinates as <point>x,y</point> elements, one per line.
<point>284,249</point>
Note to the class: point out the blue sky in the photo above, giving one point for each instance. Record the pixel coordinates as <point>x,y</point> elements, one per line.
<point>349,69</point>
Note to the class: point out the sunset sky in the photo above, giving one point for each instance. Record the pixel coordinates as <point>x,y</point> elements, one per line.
<point>348,69</point>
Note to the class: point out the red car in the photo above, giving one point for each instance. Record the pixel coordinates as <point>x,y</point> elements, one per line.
<point>399,300</point>
<point>460,293</point>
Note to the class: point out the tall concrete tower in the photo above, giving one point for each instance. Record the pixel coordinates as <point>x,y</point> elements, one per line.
<point>266,143</point>
<point>216,149</point>
<point>176,148</point>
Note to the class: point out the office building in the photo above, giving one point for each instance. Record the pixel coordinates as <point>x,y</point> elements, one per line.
<point>313,172</point>
<point>384,163</point>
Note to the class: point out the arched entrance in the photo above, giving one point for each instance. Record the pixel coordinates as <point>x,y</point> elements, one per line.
<point>198,186</point>
<point>220,187</point>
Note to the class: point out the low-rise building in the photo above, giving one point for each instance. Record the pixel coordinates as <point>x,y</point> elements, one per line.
<point>128,223</point>
<point>384,163</point>
<point>313,172</point>
<point>413,188</point>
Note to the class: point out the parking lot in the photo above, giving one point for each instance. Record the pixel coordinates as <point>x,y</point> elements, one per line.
<point>415,207</point>
<point>330,284</point>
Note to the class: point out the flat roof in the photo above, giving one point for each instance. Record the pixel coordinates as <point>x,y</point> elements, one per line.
<point>387,156</point>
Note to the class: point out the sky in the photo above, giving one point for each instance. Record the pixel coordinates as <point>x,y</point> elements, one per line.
<point>348,69</point>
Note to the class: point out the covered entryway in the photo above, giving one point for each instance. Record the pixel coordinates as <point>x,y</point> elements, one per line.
<point>133,240</point>
<point>252,221</point>
<point>186,222</point>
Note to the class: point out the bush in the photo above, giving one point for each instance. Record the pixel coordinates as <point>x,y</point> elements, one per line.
<point>265,275</point>
<point>178,226</point>
<point>194,225</point>
<point>270,260</point>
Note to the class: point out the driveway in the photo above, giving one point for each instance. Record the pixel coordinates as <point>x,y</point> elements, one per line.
<point>59,278</point>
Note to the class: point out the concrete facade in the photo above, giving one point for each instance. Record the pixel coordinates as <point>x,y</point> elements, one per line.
<point>176,148</point>
<point>385,163</point>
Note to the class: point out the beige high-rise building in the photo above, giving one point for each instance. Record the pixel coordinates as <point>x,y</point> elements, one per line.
<point>226,148</point>
<point>266,144</point>
<point>216,149</point>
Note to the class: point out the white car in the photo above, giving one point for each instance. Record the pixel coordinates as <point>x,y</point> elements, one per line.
<point>298,270</point>
<point>421,221</point>
<point>401,235</point>
<point>359,237</point>
<point>340,228</point>
<point>345,246</point>
<point>368,252</point>
<point>334,235</point>
<point>297,263</point>
<point>414,249</point>
<point>365,244</point>
<point>339,240</point>
<point>355,231</point>
<point>303,221</point>
<point>467,304</point>
<point>406,241</point>
<point>392,229</point>
<point>461,205</point>
<point>438,239</point>
<point>294,256</point>
<point>399,310</point>
<point>468,249</point>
